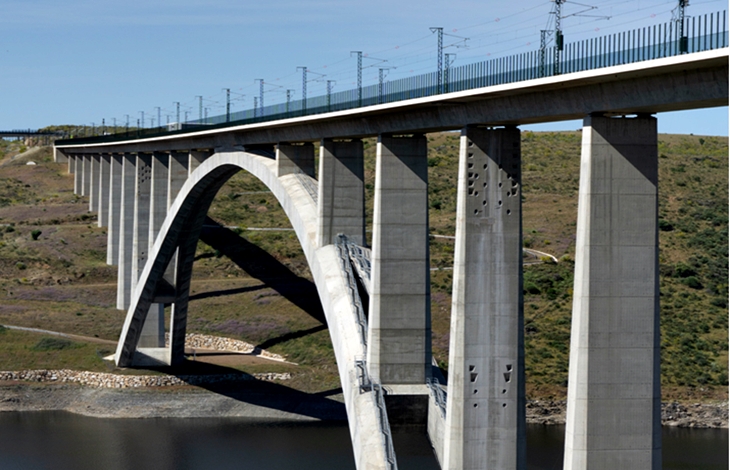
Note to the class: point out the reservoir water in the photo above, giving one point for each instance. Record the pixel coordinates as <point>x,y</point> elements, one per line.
<point>64,441</point>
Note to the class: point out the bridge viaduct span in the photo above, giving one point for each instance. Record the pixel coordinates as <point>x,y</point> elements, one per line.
<point>153,194</point>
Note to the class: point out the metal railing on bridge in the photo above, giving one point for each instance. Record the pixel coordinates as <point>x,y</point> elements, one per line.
<point>694,34</point>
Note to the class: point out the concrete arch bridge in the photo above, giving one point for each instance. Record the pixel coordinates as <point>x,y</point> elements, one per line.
<point>153,194</point>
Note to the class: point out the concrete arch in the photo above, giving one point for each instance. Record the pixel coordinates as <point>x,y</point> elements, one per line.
<point>179,234</point>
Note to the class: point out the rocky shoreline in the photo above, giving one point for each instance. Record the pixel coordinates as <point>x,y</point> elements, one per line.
<point>685,415</point>
<point>107,380</point>
<point>255,396</point>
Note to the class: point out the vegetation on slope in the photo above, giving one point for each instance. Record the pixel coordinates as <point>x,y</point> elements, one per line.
<point>255,285</point>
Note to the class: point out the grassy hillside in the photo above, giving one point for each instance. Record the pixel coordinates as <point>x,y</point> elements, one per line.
<point>255,285</point>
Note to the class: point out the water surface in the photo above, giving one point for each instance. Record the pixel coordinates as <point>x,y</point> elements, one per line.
<point>63,441</point>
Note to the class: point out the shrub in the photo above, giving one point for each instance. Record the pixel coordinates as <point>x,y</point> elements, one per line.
<point>692,282</point>
<point>35,234</point>
<point>683,270</point>
<point>665,226</point>
<point>530,288</point>
<point>53,344</point>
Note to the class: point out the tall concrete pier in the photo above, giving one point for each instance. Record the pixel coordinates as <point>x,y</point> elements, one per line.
<point>485,412</point>
<point>399,333</point>
<point>613,417</point>
<point>341,199</point>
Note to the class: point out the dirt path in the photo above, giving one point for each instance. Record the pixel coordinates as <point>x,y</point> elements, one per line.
<point>208,356</point>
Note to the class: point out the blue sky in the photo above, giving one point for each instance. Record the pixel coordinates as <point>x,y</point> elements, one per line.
<point>81,61</point>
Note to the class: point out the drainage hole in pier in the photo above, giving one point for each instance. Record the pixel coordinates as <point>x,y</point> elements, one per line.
<point>484,203</point>
<point>476,211</point>
<point>473,377</point>
<point>476,193</point>
<point>509,367</point>
<point>504,405</point>
<point>470,165</point>
<point>476,405</point>
<point>499,203</point>
<point>471,368</point>
<point>486,166</point>
<point>485,184</point>
<point>500,185</point>
<point>504,391</point>
<point>509,212</point>
<point>476,391</point>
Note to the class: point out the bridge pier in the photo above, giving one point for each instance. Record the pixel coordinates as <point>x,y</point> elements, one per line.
<point>150,207</point>
<point>114,209</point>
<point>195,158</point>
<point>613,415</point>
<point>399,321</point>
<point>86,175</point>
<point>294,158</point>
<point>341,192</point>
<point>78,164</point>
<point>103,204</point>
<point>94,182</point>
<point>126,230</point>
<point>59,156</point>
<point>485,411</point>
<point>177,174</point>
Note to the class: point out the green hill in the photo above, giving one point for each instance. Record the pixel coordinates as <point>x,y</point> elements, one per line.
<point>254,285</point>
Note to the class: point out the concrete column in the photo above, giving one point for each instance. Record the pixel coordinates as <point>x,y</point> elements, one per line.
<point>177,175</point>
<point>341,201</point>
<point>141,230</point>
<point>71,160</point>
<point>78,174</point>
<point>95,179</point>
<point>153,331</point>
<point>399,324</point>
<point>485,414</point>
<point>126,230</point>
<point>294,158</point>
<point>613,416</point>
<point>195,158</point>
<point>158,194</point>
<point>114,205</point>
<point>104,167</point>
<point>60,157</point>
<point>86,175</point>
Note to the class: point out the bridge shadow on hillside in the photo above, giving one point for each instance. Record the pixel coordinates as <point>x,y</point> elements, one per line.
<point>245,388</point>
<point>259,264</point>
